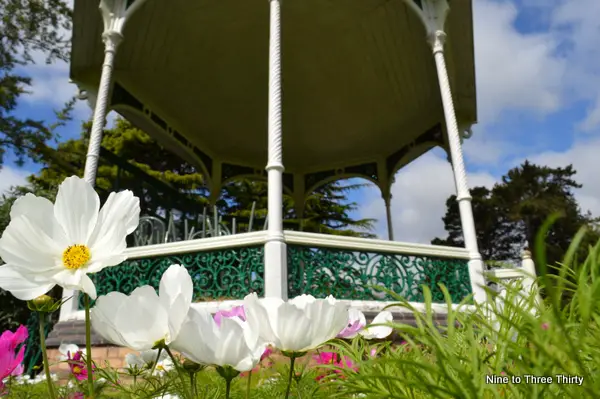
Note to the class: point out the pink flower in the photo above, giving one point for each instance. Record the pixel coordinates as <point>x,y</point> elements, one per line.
<point>236,311</point>
<point>78,366</point>
<point>268,351</point>
<point>334,359</point>
<point>11,363</point>
<point>16,338</point>
<point>75,395</point>
<point>18,370</point>
<point>545,325</point>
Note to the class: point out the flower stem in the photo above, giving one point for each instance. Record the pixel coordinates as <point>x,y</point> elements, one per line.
<point>289,386</point>
<point>42,319</point>
<point>193,384</point>
<point>88,346</point>
<point>227,387</point>
<point>177,365</point>
<point>248,384</point>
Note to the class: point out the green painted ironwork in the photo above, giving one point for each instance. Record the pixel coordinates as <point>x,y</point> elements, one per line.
<point>223,274</point>
<point>352,274</point>
<point>33,351</point>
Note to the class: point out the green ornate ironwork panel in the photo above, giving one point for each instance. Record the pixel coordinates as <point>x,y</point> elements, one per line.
<point>224,274</point>
<point>33,351</point>
<point>353,274</point>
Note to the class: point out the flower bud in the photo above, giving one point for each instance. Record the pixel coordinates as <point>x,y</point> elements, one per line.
<point>192,367</point>
<point>44,304</point>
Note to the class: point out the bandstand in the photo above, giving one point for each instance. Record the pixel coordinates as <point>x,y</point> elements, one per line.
<point>298,93</point>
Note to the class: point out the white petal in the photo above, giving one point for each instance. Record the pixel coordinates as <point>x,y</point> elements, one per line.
<point>293,328</point>
<point>133,360</point>
<point>120,208</point>
<point>75,280</point>
<point>302,301</point>
<point>175,292</point>
<point>379,332</point>
<point>25,245</point>
<point>261,316</point>
<point>65,349</point>
<point>76,209</point>
<point>197,337</point>
<point>118,217</point>
<point>144,321</point>
<point>22,287</point>
<point>232,348</point>
<point>40,212</point>
<point>87,286</point>
<point>149,356</point>
<point>328,319</point>
<point>103,316</point>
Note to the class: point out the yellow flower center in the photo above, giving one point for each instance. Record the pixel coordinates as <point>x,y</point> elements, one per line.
<point>76,370</point>
<point>76,256</point>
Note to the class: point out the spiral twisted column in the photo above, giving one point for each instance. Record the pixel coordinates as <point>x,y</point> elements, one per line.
<point>115,14</point>
<point>111,39</point>
<point>476,267</point>
<point>275,248</point>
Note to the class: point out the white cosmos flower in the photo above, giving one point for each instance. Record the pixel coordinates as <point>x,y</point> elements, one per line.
<point>49,244</point>
<point>142,319</point>
<point>357,324</point>
<point>232,343</point>
<point>65,350</point>
<point>298,325</point>
<point>146,360</point>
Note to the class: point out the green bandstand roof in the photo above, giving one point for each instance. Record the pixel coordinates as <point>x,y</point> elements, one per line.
<point>360,91</point>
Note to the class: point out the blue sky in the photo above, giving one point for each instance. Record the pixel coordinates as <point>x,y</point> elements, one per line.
<point>538,82</point>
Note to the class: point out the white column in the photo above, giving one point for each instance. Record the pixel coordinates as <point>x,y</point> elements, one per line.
<point>275,249</point>
<point>111,40</point>
<point>463,196</point>
<point>529,286</point>
<point>114,15</point>
<point>387,199</point>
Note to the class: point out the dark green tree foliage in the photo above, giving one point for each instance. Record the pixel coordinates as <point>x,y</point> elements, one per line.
<point>508,217</point>
<point>168,182</point>
<point>327,210</point>
<point>27,29</point>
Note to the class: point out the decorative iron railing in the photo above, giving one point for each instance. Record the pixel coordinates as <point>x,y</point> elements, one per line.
<point>230,271</point>
<point>356,269</point>
<point>230,267</point>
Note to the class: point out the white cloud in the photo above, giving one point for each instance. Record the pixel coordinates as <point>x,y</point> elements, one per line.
<point>514,70</point>
<point>11,176</point>
<point>419,199</point>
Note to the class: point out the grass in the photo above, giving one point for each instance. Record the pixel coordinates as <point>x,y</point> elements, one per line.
<point>511,341</point>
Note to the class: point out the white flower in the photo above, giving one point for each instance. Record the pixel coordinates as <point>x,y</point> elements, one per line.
<point>146,359</point>
<point>298,325</point>
<point>141,320</point>
<point>357,324</point>
<point>65,350</point>
<point>232,343</point>
<point>379,332</point>
<point>49,244</point>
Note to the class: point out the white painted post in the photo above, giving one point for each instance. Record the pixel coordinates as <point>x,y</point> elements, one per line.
<point>434,13</point>
<point>387,199</point>
<point>114,15</point>
<point>528,283</point>
<point>275,249</point>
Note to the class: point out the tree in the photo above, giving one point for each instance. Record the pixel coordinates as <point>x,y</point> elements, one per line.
<point>508,217</point>
<point>496,234</point>
<point>28,29</point>
<point>164,181</point>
